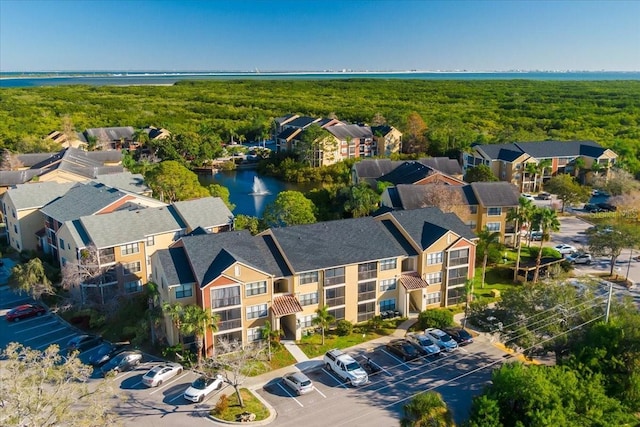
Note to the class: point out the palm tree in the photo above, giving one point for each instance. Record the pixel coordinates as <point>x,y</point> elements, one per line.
<point>269,334</point>
<point>197,321</point>
<point>468,292</point>
<point>521,216</point>
<point>323,319</point>
<point>542,166</point>
<point>486,241</point>
<point>531,168</point>
<point>427,410</point>
<point>548,221</point>
<point>175,312</point>
<point>141,137</point>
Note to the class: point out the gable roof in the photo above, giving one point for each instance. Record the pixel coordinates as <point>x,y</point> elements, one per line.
<point>541,149</point>
<point>205,212</point>
<point>301,122</point>
<point>345,131</point>
<point>127,181</point>
<point>443,164</point>
<point>496,194</point>
<point>407,173</point>
<point>82,200</point>
<point>407,196</point>
<point>334,243</point>
<point>376,168</point>
<point>37,194</point>
<point>175,266</point>
<point>110,133</point>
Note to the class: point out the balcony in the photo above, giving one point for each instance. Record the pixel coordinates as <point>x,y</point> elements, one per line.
<point>107,259</point>
<point>229,324</point>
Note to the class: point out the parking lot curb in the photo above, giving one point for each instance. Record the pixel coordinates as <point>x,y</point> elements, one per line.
<point>271,418</point>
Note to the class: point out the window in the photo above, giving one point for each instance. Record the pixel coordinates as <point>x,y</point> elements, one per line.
<point>257,311</point>
<point>15,229</point>
<point>494,211</point>
<point>309,299</point>
<point>459,257</point>
<point>387,285</point>
<point>309,277</point>
<point>388,304</point>
<point>334,276</point>
<point>131,248</point>
<point>306,321</point>
<point>455,296</point>
<point>334,296</point>
<point>434,258</point>
<point>493,226</point>
<point>388,264</point>
<point>433,298</point>
<point>434,278</point>
<point>457,276</point>
<point>255,288</point>
<point>184,291</point>
<point>61,244</point>
<point>225,297</point>
<point>229,319</point>
<point>133,287</point>
<point>254,334</point>
<point>151,240</point>
<point>366,291</point>
<point>131,267</point>
<point>367,270</point>
<point>473,209</point>
<point>472,224</point>
<point>366,311</point>
<point>337,313</point>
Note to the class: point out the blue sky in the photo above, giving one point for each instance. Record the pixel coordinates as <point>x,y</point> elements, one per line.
<point>308,35</point>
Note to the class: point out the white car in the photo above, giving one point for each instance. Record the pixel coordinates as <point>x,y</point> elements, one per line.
<point>528,196</point>
<point>161,373</point>
<point>565,249</point>
<point>441,338</point>
<point>429,347</point>
<point>202,387</point>
<point>298,382</point>
<point>577,258</point>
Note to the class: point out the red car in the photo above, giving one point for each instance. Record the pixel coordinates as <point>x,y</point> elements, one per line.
<point>24,311</point>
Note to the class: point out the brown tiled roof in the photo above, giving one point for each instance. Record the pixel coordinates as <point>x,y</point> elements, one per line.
<point>286,304</point>
<point>412,282</point>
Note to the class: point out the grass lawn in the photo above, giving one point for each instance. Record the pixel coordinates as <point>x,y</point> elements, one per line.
<point>251,404</point>
<point>496,278</point>
<point>280,357</point>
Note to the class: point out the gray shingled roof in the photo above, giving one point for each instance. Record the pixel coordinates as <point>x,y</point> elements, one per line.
<point>31,159</point>
<point>407,173</point>
<point>82,200</point>
<point>375,168</point>
<point>350,131</point>
<point>443,164</point>
<point>542,149</point>
<point>427,225</point>
<point>334,243</point>
<point>37,194</point>
<point>496,194</point>
<point>110,133</point>
<point>302,122</point>
<point>211,254</point>
<point>121,227</point>
<point>127,181</point>
<point>415,196</point>
<point>205,212</point>
<point>9,178</point>
<point>175,266</point>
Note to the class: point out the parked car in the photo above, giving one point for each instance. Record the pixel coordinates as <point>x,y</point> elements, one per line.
<point>442,339</point>
<point>161,373</point>
<point>537,235</point>
<point>580,258</point>
<point>24,311</point>
<point>106,351</point>
<point>298,382</point>
<point>403,349</point>
<point>122,362</point>
<point>608,207</point>
<point>345,367</point>
<point>591,208</point>
<point>83,342</point>
<point>544,196</point>
<point>460,335</point>
<point>202,387</point>
<point>425,343</point>
<point>527,196</point>
<point>565,249</point>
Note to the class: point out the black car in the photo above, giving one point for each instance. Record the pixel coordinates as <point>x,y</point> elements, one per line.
<point>106,351</point>
<point>122,362</point>
<point>544,196</point>
<point>403,349</point>
<point>83,342</point>
<point>607,207</point>
<point>460,335</point>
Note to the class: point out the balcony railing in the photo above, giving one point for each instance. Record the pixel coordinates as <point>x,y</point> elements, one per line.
<point>459,261</point>
<point>107,259</point>
<point>364,275</point>
<point>229,324</point>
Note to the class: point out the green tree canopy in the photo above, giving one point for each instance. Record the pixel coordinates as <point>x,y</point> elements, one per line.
<point>567,189</point>
<point>610,240</point>
<point>427,410</point>
<point>480,173</point>
<point>32,279</point>
<point>359,200</point>
<point>171,182</point>
<point>289,208</point>
<point>217,190</point>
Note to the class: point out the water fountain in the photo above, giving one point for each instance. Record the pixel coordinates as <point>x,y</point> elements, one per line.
<point>259,188</point>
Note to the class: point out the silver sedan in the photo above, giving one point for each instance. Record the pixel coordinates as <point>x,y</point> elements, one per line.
<point>161,373</point>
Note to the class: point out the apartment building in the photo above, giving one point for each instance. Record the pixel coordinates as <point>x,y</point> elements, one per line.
<point>406,261</point>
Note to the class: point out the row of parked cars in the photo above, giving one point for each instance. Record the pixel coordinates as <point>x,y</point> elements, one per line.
<point>430,343</point>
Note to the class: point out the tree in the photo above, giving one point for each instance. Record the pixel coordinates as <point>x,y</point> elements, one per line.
<point>567,189</point>
<point>87,270</point>
<point>610,240</point>
<point>269,334</point>
<point>542,167</point>
<point>427,410</point>
<point>171,182</point>
<point>480,173</point>
<point>175,312</point>
<point>448,198</point>
<point>43,388</point>
<point>547,220</point>
<point>521,216</point>
<point>323,319</point>
<point>246,222</point>
<point>617,182</point>
<point>314,140</point>
<point>289,208</point>
<point>197,321</point>
<point>468,294</point>
<point>141,137</point>
<point>217,190</point>
<point>414,140</point>
<point>360,200</point>
<point>31,278</point>
<point>487,240</point>
<point>9,161</point>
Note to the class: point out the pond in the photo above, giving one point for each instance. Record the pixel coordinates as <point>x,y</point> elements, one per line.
<point>251,192</point>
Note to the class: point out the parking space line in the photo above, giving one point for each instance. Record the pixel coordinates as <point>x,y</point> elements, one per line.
<point>339,381</point>
<point>378,365</point>
<point>44,335</point>
<point>179,395</point>
<point>22,322</point>
<point>169,383</point>
<point>396,358</point>
<point>36,327</point>
<point>56,341</point>
<point>321,393</point>
<point>290,395</point>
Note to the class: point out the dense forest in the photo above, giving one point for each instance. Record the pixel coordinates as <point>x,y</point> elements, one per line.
<point>456,113</point>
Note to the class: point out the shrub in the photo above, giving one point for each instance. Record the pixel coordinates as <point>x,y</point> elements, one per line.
<point>435,318</point>
<point>546,252</point>
<point>222,405</point>
<point>344,328</point>
<point>375,323</point>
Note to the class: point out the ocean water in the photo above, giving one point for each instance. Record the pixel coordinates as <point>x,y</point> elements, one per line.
<point>157,78</point>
